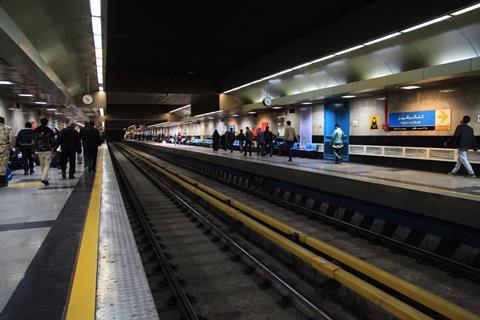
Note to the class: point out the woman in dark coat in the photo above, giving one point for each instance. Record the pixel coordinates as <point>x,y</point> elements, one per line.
<point>216,140</point>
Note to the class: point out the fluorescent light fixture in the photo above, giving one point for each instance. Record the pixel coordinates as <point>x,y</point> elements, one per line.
<point>51,109</point>
<point>99,62</point>
<point>234,115</point>
<point>302,65</point>
<point>211,118</point>
<point>40,102</point>
<point>277,107</point>
<point>430,22</point>
<point>25,95</point>
<point>349,49</point>
<point>307,102</point>
<point>103,124</point>
<point>208,113</point>
<point>447,90</point>
<point>99,53</point>
<point>323,58</point>
<point>252,112</point>
<point>410,87</point>
<point>277,74</point>
<point>5,82</point>
<point>467,9</point>
<point>102,112</point>
<point>97,25</point>
<point>382,98</point>
<point>58,113</point>
<point>100,88</point>
<point>99,69</point>
<point>12,109</point>
<point>390,36</point>
<point>100,77</point>
<point>178,109</point>
<point>97,41</point>
<point>348,96</point>
<point>96,8</point>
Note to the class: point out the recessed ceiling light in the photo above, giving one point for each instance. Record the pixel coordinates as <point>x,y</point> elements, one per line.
<point>348,96</point>
<point>252,112</point>
<point>410,87</point>
<point>5,82</point>
<point>51,109</point>
<point>234,115</point>
<point>40,102</point>
<point>277,107</point>
<point>58,113</point>
<point>447,90</point>
<point>25,95</point>
<point>307,102</point>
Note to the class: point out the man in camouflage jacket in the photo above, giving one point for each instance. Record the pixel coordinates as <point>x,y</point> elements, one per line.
<point>7,140</point>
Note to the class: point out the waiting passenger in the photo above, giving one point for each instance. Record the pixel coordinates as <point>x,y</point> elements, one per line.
<point>91,140</point>
<point>7,140</point>
<point>216,140</point>
<point>241,140</point>
<point>43,137</point>
<point>230,139</point>
<point>248,141</point>
<point>464,140</point>
<point>85,154</point>
<point>260,142</point>
<point>337,143</point>
<point>69,141</point>
<point>290,139</point>
<point>25,144</point>
<point>268,138</point>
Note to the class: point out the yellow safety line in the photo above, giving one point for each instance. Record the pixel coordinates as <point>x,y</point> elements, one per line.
<point>25,184</point>
<point>423,296</point>
<point>81,303</point>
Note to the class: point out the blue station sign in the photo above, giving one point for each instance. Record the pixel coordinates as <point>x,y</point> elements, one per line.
<point>418,120</point>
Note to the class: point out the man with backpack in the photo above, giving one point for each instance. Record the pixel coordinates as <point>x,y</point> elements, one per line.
<point>248,141</point>
<point>25,143</point>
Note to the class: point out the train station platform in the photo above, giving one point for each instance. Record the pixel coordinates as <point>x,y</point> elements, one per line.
<point>437,196</point>
<point>67,250</point>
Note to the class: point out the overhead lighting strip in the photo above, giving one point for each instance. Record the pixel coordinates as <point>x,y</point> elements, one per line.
<point>96,13</point>
<point>387,37</point>
<point>178,109</point>
<point>208,113</point>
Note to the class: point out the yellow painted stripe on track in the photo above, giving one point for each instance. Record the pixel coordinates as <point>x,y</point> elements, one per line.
<point>81,303</point>
<point>25,184</point>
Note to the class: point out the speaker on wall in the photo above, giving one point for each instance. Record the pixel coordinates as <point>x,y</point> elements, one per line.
<point>291,110</point>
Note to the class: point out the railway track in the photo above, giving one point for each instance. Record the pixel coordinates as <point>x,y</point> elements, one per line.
<point>195,269</point>
<point>440,283</point>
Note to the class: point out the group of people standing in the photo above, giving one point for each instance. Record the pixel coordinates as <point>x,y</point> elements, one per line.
<point>47,144</point>
<point>264,140</point>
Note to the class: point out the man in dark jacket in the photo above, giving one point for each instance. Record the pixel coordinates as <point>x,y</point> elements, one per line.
<point>463,139</point>
<point>69,140</point>
<point>44,144</point>
<point>25,143</point>
<point>85,154</point>
<point>91,141</point>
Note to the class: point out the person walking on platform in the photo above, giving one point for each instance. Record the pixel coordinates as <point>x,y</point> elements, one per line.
<point>43,138</point>
<point>241,140</point>
<point>69,140</point>
<point>464,140</point>
<point>248,141</point>
<point>290,139</point>
<point>25,144</point>
<point>268,138</point>
<point>260,142</point>
<point>7,140</point>
<point>337,143</point>
<point>230,139</point>
<point>216,140</point>
<point>85,154</point>
<point>91,142</point>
